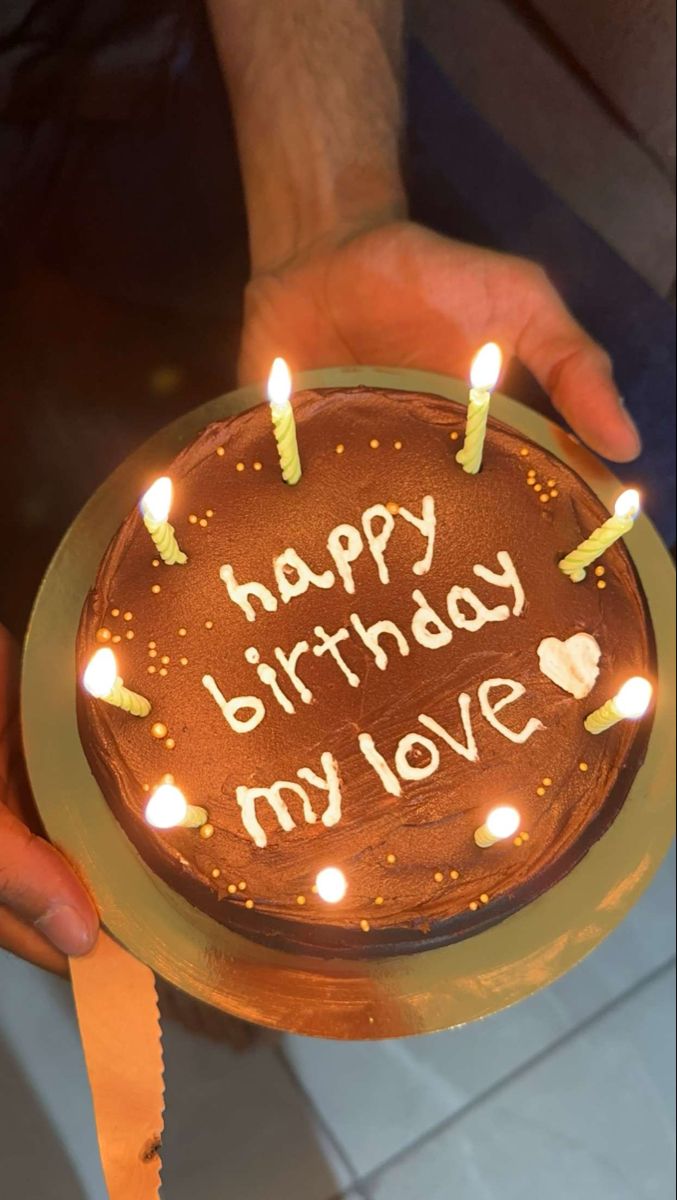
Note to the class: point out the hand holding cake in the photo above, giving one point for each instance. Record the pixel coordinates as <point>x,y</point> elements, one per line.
<point>45,912</point>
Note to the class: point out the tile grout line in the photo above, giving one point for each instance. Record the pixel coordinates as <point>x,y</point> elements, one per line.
<point>325,1127</point>
<point>517,1073</point>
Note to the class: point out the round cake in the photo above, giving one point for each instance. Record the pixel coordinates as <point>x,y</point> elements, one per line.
<point>354,671</point>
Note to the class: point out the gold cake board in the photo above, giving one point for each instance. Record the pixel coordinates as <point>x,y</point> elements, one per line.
<point>335,998</point>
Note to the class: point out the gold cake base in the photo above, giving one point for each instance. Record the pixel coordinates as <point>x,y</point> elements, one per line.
<point>393,997</point>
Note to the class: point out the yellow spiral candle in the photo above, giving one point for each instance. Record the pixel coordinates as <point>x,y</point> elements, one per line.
<point>101,680</point>
<point>155,507</point>
<point>501,823</point>
<point>484,373</point>
<point>626,512</point>
<point>631,702</point>
<point>167,808</point>
<point>284,425</point>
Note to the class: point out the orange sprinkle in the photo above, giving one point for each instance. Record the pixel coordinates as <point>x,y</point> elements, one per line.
<point>182,632</point>
<point>170,743</point>
<point>220,451</point>
<point>206,831</point>
<point>365,926</point>
<point>473,906</point>
<point>438,876</point>
<point>151,670</point>
<point>547,782</point>
<point>397,445</point>
<point>517,841</point>
<point>184,662</point>
<point>165,659</point>
<point>152,645</point>
<point>524,836</point>
<point>231,888</point>
<point>156,562</point>
<point>300,900</point>
<point>378,900</point>
<point>103,635</point>
<point>601,584</point>
<point>583,766</point>
<point>453,874</point>
<point>393,507</point>
<point>600,570</point>
<point>554,493</point>
<point>192,520</point>
<point>374,443</point>
<point>538,487</point>
<point>544,498</point>
<point>531,482</point>
<point>258,466</point>
<point>156,588</point>
<point>127,616</point>
<point>115,612</point>
<point>242,885</point>
<point>249,903</point>
<point>116,638</point>
<point>454,435</point>
<point>209,624</point>
<point>216,873</point>
<point>152,653</point>
<point>209,513</point>
<point>552,482</point>
<point>239,466</point>
<point>203,522</point>
<point>390,858</point>
<point>524,452</point>
<point>340,448</point>
<point>129,634</point>
<point>484,898</point>
<point>158,730</point>
<point>540,791</point>
<point>162,671</point>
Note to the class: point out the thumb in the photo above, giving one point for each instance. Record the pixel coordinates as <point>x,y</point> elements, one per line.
<point>572,368</point>
<point>37,884</point>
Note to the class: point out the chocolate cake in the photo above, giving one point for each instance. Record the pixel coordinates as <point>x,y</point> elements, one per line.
<point>353,671</point>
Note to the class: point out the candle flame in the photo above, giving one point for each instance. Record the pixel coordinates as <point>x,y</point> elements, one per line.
<point>634,697</point>
<point>331,885</point>
<point>503,821</point>
<point>100,673</point>
<point>158,500</point>
<point>166,807</point>
<point>628,504</point>
<point>486,367</point>
<point>279,383</point>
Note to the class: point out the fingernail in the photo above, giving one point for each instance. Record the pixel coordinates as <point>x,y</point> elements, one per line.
<point>631,427</point>
<point>65,929</point>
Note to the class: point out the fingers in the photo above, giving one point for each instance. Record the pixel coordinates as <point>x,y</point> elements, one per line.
<point>574,370</point>
<point>26,942</point>
<point>37,884</point>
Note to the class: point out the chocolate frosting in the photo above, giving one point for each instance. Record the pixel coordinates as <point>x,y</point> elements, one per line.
<point>415,876</point>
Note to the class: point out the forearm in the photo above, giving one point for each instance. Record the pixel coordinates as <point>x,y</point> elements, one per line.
<point>314,88</point>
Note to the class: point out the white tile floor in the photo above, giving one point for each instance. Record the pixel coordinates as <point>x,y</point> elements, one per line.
<point>570,1093</point>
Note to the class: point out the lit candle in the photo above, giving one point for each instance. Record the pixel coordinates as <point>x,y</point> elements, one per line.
<point>155,506</point>
<point>101,680</point>
<point>484,373</point>
<point>626,511</point>
<point>501,823</point>
<point>631,702</point>
<point>167,808</point>
<point>331,885</point>
<point>284,426</point>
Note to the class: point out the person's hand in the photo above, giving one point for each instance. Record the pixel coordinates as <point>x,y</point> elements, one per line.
<point>400,295</point>
<point>45,912</point>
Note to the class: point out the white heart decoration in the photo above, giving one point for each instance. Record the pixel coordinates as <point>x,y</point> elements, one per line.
<point>573,665</point>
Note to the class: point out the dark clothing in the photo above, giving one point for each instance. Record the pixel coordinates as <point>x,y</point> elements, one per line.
<point>104,60</point>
